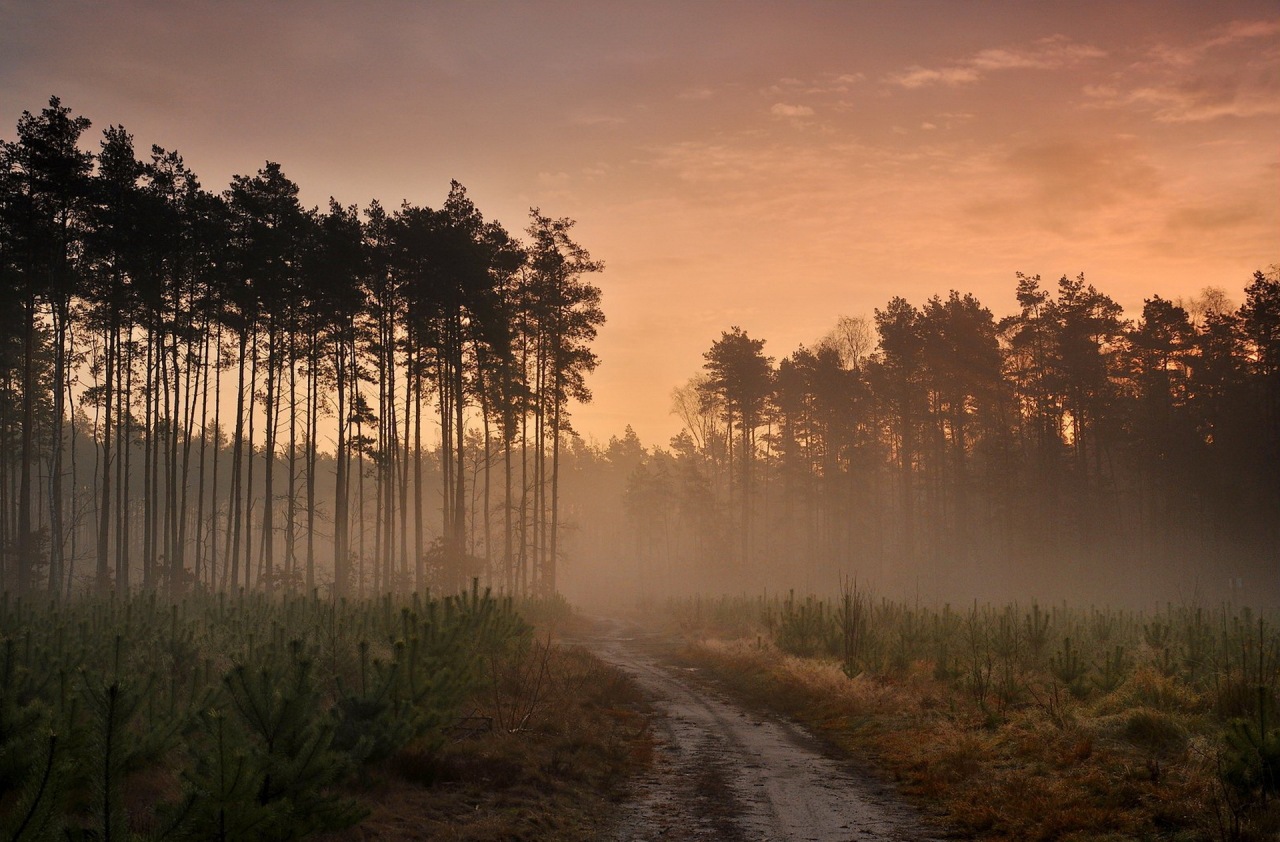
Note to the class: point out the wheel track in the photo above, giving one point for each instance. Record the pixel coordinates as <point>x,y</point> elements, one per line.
<point>724,773</point>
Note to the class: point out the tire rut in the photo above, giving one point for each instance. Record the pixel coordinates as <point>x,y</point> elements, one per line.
<point>724,773</point>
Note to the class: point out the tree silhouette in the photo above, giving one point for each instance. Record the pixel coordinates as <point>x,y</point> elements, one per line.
<point>741,377</point>
<point>564,314</point>
<point>136,291</point>
<point>47,181</point>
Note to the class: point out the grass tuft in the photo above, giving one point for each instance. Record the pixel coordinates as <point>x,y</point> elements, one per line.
<point>1050,724</point>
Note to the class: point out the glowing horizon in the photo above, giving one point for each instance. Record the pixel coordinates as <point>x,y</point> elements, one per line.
<point>757,164</point>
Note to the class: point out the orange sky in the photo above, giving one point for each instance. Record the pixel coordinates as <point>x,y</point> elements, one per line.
<point>769,165</point>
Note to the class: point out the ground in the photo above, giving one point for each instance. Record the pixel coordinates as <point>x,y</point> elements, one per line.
<point>723,772</point>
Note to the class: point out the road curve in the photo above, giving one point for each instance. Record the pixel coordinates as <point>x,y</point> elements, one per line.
<point>724,773</point>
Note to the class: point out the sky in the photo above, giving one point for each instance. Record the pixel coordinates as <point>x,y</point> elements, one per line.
<point>766,165</point>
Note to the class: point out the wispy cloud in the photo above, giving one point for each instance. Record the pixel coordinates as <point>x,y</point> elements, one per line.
<point>553,179</point>
<point>1226,74</point>
<point>1212,218</point>
<point>919,77</point>
<point>1052,53</point>
<point>598,120</point>
<point>1072,188</point>
<point>700,94</point>
<point>1196,100</point>
<point>782,109</point>
<point>824,85</point>
<point>1182,55</point>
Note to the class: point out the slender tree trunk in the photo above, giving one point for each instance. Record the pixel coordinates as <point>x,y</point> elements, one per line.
<point>313,423</point>
<point>291,515</point>
<point>360,467</point>
<point>200,542</point>
<point>235,499</point>
<point>215,582</point>
<point>508,503</point>
<point>538,519</point>
<point>26,544</point>
<point>390,437</point>
<point>460,472</point>
<point>165,464</point>
<point>419,547</point>
<point>266,575</point>
<point>103,578</point>
<point>148,478</point>
<point>402,576</point>
<point>522,578</point>
<point>124,477</point>
<point>340,555</point>
<point>444,386</point>
<point>248,446</point>
<point>61,314</point>
<point>193,371</point>
<point>74,533</point>
<point>549,588</point>
<point>487,498</point>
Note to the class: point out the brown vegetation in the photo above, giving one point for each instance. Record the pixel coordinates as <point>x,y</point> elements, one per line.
<point>1143,760</point>
<point>556,776</point>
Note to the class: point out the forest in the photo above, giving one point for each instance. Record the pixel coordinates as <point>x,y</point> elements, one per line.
<point>226,389</point>
<point>1062,451</point>
<point>293,512</point>
<point>218,390</point>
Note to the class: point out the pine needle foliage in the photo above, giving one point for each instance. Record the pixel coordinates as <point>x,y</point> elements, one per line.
<point>224,717</point>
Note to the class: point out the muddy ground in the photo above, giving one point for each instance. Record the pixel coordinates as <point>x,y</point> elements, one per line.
<point>723,772</point>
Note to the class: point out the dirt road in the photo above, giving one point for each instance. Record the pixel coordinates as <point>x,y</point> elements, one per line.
<point>724,773</point>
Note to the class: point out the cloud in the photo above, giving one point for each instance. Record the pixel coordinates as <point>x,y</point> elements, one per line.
<point>782,109</point>
<point>824,85</point>
<point>1228,35</point>
<point>1052,53</point>
<point>598,120</point>
<point>749,175</point>
<point>1072,188</point>
<point>1211,218</point>
<point>836,83</point>
<point>1200,100</point>
<point>918,77</point>
<point>696,94</point>
<point>553,179</point>
<point>1083,173</point>
<point>1217,76</point>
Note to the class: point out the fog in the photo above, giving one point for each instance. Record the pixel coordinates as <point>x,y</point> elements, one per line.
<point>178,362</point>
<point>1068,451</point>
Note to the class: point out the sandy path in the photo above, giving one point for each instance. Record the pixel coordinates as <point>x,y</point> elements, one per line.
<point>725,773</point>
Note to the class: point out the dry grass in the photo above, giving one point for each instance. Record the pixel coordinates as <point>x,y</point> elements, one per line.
<point>556,778</point>
<point>1136,763</point>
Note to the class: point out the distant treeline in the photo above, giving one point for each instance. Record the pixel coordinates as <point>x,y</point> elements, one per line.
<point>1063,449</point>
<point>226,389</point>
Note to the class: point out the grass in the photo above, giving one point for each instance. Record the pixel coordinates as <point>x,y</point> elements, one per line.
<point>557,776</point>
<point>1027,725</point>
<point>253,717</point>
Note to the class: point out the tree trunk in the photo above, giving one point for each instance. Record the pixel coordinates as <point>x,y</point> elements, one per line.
<point>235,511</point>
<point>26,544</point>
<point>340,558</point>
<point>266,560</point>
<point>248,446</point>
<point>103,577</point>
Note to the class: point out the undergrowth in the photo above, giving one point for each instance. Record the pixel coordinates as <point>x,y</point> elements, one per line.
<point>1027,722</point>
<point>250,717</point>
